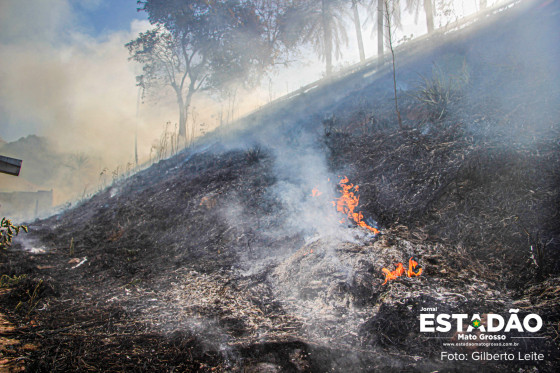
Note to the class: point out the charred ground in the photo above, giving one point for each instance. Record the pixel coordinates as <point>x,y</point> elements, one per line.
<point>188,265</point>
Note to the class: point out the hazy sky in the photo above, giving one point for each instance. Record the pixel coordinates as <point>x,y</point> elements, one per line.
<point>65,74</point>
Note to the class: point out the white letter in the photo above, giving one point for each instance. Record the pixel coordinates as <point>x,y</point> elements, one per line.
<point>490,321</point>
<point>442,319</point>
<point>480,327</point>
<point>459,317</point>
<point>513,323</point>
<point>425,322</point>
<point>528,327</point>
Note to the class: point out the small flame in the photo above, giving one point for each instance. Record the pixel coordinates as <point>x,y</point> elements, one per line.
<point>411,265</point>
<point>399,271</point>
<point>315,192</point>
<point>348,202</point>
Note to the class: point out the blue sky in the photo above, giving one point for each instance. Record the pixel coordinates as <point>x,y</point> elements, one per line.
<point>105,16</point>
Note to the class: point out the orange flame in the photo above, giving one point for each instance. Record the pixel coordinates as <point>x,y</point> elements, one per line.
<point>348,202</point>
<point>411,265</point>
<point>399,271</point>
<point>315,192</point>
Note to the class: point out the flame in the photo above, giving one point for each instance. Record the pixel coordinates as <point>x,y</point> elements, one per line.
<point>394,274</point>
<point>399,271</point>
<point>348,202</point>
<point>315,192</point>
<point>411,265</point>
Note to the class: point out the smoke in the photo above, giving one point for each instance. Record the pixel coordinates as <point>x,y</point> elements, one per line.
<point>80,90</point>
<point>300,168</point>
<point>57,82</point>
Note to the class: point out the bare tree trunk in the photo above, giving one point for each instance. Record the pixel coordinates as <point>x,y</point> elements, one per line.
<point>429,9</point>
<point>483,4</point>
<point>358,26</point>
<point>182,119</point>
<point>136,128</point>
<point>188,100</point>
<point>380,40</point>
<point>327,32</point>
<point>390,38</point>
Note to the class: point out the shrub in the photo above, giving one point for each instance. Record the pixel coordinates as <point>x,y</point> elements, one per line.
<point>254,154</point>
<point>8,231</point>
<point>440,90</point>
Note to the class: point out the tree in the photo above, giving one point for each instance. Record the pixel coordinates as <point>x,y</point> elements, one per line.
<point>380,38</point>
<point>376,9</point>
<point>320,23</point>
<point>358,27</point>
<point>278,40</point>
<point>414,7</point>
<point>389,16</point>
<point>167,63</point>
<point>199,45</point>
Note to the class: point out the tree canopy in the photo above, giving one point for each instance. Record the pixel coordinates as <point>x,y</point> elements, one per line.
<point>200,44</point>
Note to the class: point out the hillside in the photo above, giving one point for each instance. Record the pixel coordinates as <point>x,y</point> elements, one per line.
<point>230,256</point>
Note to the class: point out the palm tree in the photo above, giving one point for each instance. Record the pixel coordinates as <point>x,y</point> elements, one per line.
<point>414,7</point>
<point>358,26</point>
<point>380,27</point>
<point>321,23</point>
<point>391,18</point>
<point>376,9</point>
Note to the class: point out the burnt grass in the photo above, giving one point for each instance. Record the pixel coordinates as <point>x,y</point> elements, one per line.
<point>475,192</point>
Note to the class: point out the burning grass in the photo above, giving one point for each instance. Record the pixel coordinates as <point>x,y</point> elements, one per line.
<point>472,192</point>
<point>399,271</point>
<point>348,202</point>
<point>200,291</point>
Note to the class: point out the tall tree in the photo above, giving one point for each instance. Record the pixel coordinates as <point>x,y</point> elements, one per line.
<point>358,27</point>
<point>380,38</point>
<point>390,9</point>
<point>377,13</point>
<point>199,45</point>
<point>166,62</point>
<point>321,24</point>
<point>414,7</point>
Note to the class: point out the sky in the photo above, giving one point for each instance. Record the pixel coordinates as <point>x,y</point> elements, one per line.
<point>65,74</point>
<point>102,17</point>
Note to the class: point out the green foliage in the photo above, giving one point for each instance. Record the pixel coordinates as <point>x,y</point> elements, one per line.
<point>199,45</point>
<point>322,25</point>
<point>7,281</point>
<point>8,231</point>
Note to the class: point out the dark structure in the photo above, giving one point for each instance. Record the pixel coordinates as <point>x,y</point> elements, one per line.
<point>10,166</point>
